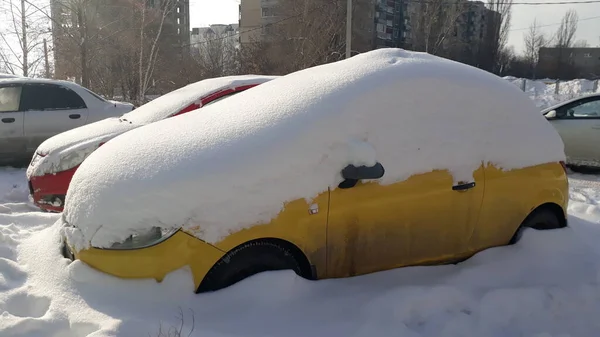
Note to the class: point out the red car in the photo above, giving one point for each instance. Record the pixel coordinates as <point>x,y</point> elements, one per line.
<point>57,158</point>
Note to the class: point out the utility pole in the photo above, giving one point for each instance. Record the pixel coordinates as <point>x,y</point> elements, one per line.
<point>46,59</point>
<point>349,30</point>
<point>24,39</point>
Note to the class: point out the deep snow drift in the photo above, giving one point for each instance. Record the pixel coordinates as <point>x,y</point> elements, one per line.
<point>376,106</point>
<point>543,92</point>
<point>545,286</point>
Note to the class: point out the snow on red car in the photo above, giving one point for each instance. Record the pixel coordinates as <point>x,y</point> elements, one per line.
<point>56,160</point>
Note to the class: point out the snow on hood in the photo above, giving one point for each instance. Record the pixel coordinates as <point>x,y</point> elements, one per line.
<point>289,139</point>
<point>67,147</point>
<point>168,104</point>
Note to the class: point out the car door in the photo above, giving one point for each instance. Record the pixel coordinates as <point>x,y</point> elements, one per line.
<point>12,142</point>
<point>578,124</point>
<point>50,109</point>
<point>424,219</point>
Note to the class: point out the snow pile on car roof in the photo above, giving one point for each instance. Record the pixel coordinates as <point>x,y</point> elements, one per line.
<point>236,164</point>
<point>165,105</point>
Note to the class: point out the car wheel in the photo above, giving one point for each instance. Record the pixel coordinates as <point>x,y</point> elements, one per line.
<point>540,219</point>
<point>249,259</point>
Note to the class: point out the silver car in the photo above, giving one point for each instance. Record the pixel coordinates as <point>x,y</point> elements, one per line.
<point>578,123</point>
<point>33,110</point>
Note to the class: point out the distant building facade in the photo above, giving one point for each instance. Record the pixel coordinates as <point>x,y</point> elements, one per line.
<point>106,13</point>
<point>568,63</point>
<point>388,23</point>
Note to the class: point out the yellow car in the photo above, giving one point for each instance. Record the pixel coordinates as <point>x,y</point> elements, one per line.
<point>338,170</point>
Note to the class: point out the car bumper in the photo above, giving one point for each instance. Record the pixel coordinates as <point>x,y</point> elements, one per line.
<point>155,262</point>
<point>48,191</point>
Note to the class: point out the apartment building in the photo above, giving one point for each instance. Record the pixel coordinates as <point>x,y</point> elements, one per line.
<point>102,14</point>
<point>227,33</point>
<point>395,23</point>
<point>254,20</point>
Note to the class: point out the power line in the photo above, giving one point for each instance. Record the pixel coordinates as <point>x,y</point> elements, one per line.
<point>468,3</point>
<point>514,3</point>
<point>556,24</point>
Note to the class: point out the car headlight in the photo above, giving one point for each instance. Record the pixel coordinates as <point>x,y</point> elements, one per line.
<point>146,239</point>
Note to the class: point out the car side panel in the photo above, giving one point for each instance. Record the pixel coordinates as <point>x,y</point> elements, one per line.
<point>421,220</point>
<point>581,138</point>
<point>510,196</point>
<point>294,224</point>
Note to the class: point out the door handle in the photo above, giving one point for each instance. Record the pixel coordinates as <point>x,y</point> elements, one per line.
<point>597,127</point>
<point>462,186</point>
<point>8,120</point>
<point>74,116</point>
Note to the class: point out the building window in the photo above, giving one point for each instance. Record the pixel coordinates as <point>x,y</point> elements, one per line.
<point>380,28</point>
<point>267,12</point>
<point>390,23</point>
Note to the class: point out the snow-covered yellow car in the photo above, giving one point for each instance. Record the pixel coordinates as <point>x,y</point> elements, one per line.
<point>387,159</point>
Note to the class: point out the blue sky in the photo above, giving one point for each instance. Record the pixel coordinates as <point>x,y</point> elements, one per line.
<point>204,12</point>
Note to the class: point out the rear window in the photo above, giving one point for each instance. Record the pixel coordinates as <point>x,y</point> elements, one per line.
<point>95,95</point>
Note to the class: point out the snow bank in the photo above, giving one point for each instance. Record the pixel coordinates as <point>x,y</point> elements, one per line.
<point>543,91</point>
<point>290,138</point>
<point>547,285</point>
<point>68,149</point>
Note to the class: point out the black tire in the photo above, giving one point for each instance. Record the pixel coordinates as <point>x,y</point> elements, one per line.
<point>540,219</point>
<point>249,259</point>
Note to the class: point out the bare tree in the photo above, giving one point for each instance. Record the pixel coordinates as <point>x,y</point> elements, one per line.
<point>435,26</point>
<point>152,25</point>
<point>534,40</point>
<point>565,35</point>
<point>499,24</point>
<point>581,44</point>
<point>564,39</point>
<point>216,51</point>
<point>22,37</point>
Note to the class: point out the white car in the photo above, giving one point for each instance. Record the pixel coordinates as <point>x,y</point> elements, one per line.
<point>578,123</point>
<point>33,110</point>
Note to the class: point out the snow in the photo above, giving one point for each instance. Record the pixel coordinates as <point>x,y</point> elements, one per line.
<point>543,91</point>
<point>547,285</point>
<point>68,149</point>
<point>293,145</point>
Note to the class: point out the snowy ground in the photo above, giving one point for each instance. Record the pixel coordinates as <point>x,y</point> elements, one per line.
<point>545,286</point>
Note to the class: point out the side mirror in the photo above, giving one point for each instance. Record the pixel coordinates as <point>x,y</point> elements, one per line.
<point>363,172</point>
<point>551,114</point>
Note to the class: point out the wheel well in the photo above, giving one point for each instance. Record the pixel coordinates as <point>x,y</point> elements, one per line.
<point>305,266</point>
<point>555,209</point>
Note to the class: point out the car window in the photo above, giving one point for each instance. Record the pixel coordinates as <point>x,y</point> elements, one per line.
<point>95,95</point>
<point>10,98</point>
<point>50,97</point>
<point>222,98</point>
<point>589,109</point>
